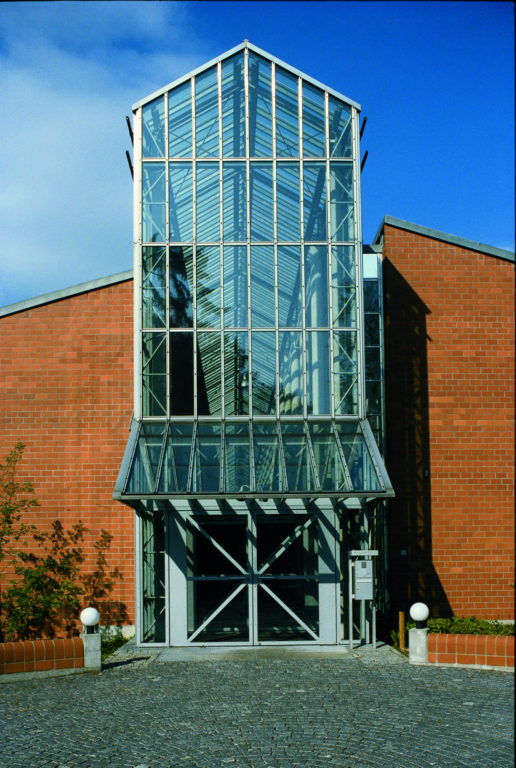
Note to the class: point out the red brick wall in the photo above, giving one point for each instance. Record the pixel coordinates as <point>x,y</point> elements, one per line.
<point>66,391</point>
<point>41,655</point>
<point>450,425</point>
<point>479,650</point>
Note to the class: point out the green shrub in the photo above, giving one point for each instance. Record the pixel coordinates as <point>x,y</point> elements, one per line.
<point>469,625</point>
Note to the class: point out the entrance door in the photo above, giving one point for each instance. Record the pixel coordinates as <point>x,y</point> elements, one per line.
<point>253,578</point>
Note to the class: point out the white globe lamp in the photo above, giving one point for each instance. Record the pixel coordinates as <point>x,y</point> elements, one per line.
<point>419,613</point>
<point>90,618</point>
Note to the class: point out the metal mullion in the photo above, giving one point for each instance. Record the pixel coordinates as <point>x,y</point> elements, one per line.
<point>192,458</point>
<point>248,227</point>
<point>194,254</point>
<point>374,454</point>
<point>222,455</point>
<point>311,454</point>
<point>282,455</point>
<point>342,457</point>
<point>252,564</point>
<point>168,404</point>
<point>137,261</point>
<point>252,467</point>
<point>358,261</point>
<point>330,251</point>
<point>162,459</point>
<point>302,246</point>
<point>275,235</point>
<point>221,242</point>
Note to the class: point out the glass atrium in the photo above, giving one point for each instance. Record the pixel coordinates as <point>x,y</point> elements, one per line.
<point>249,450</point>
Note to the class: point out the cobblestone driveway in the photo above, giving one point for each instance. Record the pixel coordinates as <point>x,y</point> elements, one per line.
<point>364,710</point>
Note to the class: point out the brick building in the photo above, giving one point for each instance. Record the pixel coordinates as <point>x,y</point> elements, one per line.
<point>254,465</point>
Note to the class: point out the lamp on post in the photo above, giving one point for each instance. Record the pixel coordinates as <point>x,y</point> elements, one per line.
<point>91,638</point>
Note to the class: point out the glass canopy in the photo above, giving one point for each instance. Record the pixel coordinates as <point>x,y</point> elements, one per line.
<point>244,459</point>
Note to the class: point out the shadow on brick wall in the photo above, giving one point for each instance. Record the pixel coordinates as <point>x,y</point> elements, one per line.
<point>412,574</point>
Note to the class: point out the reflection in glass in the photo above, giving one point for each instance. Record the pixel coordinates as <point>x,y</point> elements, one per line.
<point>297,458</point>
<point>153,577</point>
<point>264,372</point>
<point>260,107</point>
<point>235,286</point>
<point>206,114</point>
<point>274,623</point>
<point>287,545</point>
<point>287,120</point>
<point>209,384</point>
<point>234,202</point>
<point>316,286</point>
<point>180,121</point>
<point>153,129</point>
<point>236,459</point>
<point>153,192</point>
<point>180,202</point>
<point>357,456</point>
<point>181,374</point>
<point>314,143</point>
<point>289,286</point>
<point>154,374</point>
<point>233,107</point>
<point>327,457</point>
<point>262,286</point>
<point>345,372</point>
<point>206,559</point>
<point>372,363</point>
<point>343,286</point>
<point>153,286</point>
<point>180,287</point>
<point>262,226</point>
<point>176,460</point>
<point>142,478</point>
<point>208,286</point>
<point>317,367</point>
<point>290,372</point>
<point>236,373</point>
<point>314,186</point>
<point>287,197</point>
<point>371,296</point>
<point>372,329</point>
<point>231,624</point>
<point>206,459</point>
<point>341,201</point>
<point>269,475</point>
<point>340,128</point>
<point>207,203</point>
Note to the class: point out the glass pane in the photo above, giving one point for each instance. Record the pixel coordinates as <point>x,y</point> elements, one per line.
<point>209,384</point>
<point>316,286</point>
<point>232,623</point>
<point>297,458</point>
<point>153,577</point>
<point>176,461</point>
<point>317,372</point>
<point>233,107</point>
<point>287,197</point>
<point>262,286</point>
<point>290,372</point>
<point>345,372</point>
<point>289,286</point>
<point>260,107</point>
<point>262,226</point>
<point>269,476</point>
<point>207,114</point>
<point>314,143</point>
<point>236,460</point>
<point>180,202</point>
<point>287,118</point>
<point>327,457</point>
<point>371,297</point>
<point>357,457</point>
<point>207,203</point>
<point>373,396</point>
<point>153,196</point>
<point>288,547</point>
<point>180,287</point>
<point>274,623</point>
<point>340,129</point>
<point>315,201</point>
<point>142,478</point>
<point>208,286</point>
<point>372,330</point>
<point>372,363</point>
<point>153,129</point>
<point>343,286</point>
<point>234,202</point>
<point>235,286</point>
<point>153,286</point>
<point>181,374</point>
<point>180,121</point>
<point>341,201</point>
<point>206,466</point>
<point>264,372</point>
<point>154,374</point>
<point>205,559</point>
<point>236,373</point>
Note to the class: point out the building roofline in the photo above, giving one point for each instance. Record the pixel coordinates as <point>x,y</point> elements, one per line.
<point>462,242</point>
<point>232,52</point>
<point>66,293</point>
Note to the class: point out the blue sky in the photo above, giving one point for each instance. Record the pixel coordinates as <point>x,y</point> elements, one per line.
<point>435,79</point>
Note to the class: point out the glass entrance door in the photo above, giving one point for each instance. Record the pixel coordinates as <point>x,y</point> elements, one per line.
<point>253,578</point>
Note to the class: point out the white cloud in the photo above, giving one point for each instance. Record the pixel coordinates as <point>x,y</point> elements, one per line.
<point>70,74</point>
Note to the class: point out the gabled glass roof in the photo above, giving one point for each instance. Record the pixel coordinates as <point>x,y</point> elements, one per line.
<point>251,459</point>
<point>231,52</point>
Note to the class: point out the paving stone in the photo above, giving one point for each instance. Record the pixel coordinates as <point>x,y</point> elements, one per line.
<point>365,709</point>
